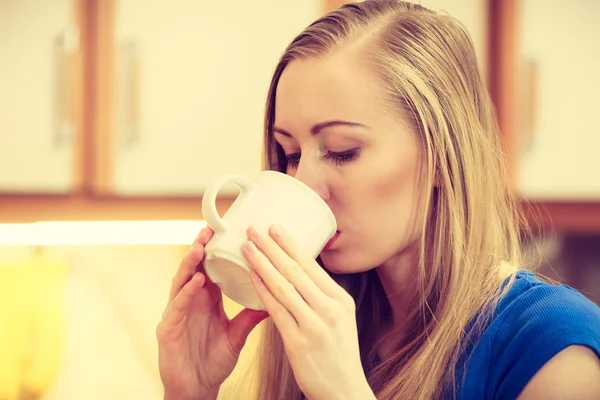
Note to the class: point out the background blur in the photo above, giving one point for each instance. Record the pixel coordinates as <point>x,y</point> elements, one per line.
<point>115,115</point>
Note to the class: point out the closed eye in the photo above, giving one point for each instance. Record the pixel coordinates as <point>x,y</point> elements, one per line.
<point>338,158</point>
<point>343,157</point>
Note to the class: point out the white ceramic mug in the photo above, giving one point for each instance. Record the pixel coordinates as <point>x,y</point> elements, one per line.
<point>274,198</point>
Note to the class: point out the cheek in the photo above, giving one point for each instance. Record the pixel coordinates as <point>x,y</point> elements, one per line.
<point>394,196</point>
<point>394,178</point>
<point>376,187</point>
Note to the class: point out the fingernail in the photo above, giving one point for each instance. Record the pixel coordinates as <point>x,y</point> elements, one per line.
<point>275,230</point>
<point>252,232</point>
<point>250,247</point>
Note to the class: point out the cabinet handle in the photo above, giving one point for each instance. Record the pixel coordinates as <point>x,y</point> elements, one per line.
<point>129,88</point>
<point>66,46</point>
<point>528,106</point>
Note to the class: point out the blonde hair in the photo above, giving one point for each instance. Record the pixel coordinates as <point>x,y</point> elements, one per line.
<point>427,66</point>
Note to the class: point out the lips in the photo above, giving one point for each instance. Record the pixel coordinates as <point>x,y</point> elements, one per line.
<point>332,240</point>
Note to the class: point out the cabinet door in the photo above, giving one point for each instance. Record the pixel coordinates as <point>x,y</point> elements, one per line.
<point>559,130</point>
<point>38,95</point>
<point>190,86</point>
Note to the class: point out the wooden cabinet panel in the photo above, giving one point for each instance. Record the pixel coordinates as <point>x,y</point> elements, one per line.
<point>189,87</point>
<point>173,95</point>
<point>557,99</point>
<point>39,96</point>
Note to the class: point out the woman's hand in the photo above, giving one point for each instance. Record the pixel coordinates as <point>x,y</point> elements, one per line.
<point>198,346</point>
<point>314,315</point>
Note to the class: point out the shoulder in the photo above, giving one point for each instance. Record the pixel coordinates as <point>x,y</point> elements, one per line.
<point>531,305</point>
<point>538,327</point>
<point>531,325</point>
<point>531,301</point>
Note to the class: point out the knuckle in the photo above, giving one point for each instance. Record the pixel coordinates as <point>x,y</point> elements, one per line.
<point>283,270</point>
<point>332,313</point>
<point>174,282</point>
<point>197,252</point>
<point>302,344</point>
<point>282,289</point>
<point>348,302</point>
<point>337,310</point>
<point>316,334</point>
<point>277,312</point>
<point>176,303</point>
<point>164,333</point>
<point>160,331</point>
<point>307,264</point>
<point>288,270</point>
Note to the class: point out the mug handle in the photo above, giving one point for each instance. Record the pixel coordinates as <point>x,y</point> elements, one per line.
<point>209,199</point>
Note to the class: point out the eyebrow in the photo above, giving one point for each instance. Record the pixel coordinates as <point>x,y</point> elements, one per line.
<point>317,128</point>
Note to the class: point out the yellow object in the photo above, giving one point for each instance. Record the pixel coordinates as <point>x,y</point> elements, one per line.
<point>31,326</point>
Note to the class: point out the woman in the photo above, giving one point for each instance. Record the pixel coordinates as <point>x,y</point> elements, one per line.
<point>379,107</point>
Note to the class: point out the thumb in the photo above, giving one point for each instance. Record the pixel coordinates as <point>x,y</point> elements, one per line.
<point>241,326</point>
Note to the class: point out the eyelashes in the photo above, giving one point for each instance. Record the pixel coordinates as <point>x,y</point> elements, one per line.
<point>338,158</point>
<point>342,157</point>
<point>292,160</point>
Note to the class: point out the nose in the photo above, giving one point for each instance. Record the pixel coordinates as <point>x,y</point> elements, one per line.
<point>313,178</point>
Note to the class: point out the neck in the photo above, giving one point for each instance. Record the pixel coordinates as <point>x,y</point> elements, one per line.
<point>398,277</point>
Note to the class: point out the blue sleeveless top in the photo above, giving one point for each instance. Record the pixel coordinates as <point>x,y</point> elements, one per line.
<point>532,323</point>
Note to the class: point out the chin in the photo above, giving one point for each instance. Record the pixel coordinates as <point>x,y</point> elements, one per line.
<point>340,263</point>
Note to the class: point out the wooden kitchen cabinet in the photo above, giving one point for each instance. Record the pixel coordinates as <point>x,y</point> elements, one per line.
<point>40,77</point>
<point>172,98</point>
<point>537,163</point>
<point>189,81</point>
<point>161,108</point>
<point>557,100</point>
<point>164,106</point>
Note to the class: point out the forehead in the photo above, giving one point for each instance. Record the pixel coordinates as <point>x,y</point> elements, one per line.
<point>332,87</point>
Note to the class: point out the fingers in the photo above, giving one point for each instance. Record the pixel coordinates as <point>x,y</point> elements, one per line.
<point>186,270</point>
<point>309,266</point>
<point>172,324</point>
<point>241,326</point>
<point>203,236</point>
<point>189,264</point>
<point>283,320</point>
<point>279,288</point>
<point>288,267</point>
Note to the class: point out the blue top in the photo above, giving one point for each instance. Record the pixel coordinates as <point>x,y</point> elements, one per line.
<point>532,323</point>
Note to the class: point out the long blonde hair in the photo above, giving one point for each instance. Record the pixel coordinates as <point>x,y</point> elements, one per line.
<point>427,66</point>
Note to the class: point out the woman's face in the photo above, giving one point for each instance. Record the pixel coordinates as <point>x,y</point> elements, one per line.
<point>357,153</point>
